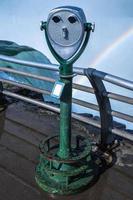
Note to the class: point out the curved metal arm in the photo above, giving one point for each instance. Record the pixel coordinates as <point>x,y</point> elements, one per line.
<point>104,108</point>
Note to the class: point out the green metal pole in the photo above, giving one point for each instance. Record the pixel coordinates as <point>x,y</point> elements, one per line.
<point>70,169</point>
<point>65,112</point>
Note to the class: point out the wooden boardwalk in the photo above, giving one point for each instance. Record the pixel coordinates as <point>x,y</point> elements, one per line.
<point>20,137</point>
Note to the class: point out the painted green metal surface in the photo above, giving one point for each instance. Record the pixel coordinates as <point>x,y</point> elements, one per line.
<point>65,113</point>
<point>65,168</point>
<point>64,176</point>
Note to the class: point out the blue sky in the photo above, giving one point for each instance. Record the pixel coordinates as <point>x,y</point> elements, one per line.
<point>20,22</point>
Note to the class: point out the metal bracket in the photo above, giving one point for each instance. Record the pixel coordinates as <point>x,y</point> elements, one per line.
<point>68,76</point>
<point>104,108</point>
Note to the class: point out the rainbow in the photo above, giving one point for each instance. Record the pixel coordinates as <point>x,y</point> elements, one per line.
<point>113,46</point>
<point>108,50</point>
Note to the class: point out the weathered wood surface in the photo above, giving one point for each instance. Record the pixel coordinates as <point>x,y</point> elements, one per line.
<point>23,131</point>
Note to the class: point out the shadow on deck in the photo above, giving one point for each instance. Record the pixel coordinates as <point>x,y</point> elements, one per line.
<point>23,131</point>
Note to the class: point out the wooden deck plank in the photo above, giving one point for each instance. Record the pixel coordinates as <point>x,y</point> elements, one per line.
<point>12,188</point>
<point>119,182</point>
<point>33,120</point>
<point>18,157</point>
<point>21,167</point>
<point>20,146</point>
<point>24,133</point>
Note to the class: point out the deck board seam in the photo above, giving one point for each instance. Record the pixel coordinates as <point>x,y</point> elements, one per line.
<point>17,178</point>
<point>26,126</point>
<point>19,154</point>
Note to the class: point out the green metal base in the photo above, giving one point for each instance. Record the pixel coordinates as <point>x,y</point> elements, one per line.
<point>58,176</point>
<point>51,186</point>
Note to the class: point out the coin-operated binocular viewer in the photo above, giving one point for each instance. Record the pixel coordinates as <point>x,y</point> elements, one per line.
<point>65,167</point>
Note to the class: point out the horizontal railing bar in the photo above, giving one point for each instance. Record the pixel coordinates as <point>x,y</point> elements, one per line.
<point>83,88</point>
<point>114,79</point>
<point>80,118</point>
<point>77,101</point>
<point>78,70</point>
<point>95,107</point>
<point>104,76</point>
<point>25,86</point>
<point>86,120</point>
<point>49,107</point>
<point>29,100</point>
<point>119,97</point>
<point>107,77</point>
<point>29,87</point>
<point>110,95</point>
<point>95,123</point>
<point>29,63</point>
<point>43,78</point>
<point>52,67</point>
<point>85,104</point>
<point>122,116</point>
<point>75,86</point>
<point>122,133</point>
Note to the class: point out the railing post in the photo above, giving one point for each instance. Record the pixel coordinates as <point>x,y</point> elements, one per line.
<point>2,109</point>
<point>104,108</point>
<point>2,98</point>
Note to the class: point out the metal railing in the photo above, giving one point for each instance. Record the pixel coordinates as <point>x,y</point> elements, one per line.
<point>96,79</point>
